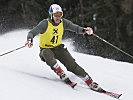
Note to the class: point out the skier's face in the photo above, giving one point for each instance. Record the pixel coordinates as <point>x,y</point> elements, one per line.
<point>57,17</point>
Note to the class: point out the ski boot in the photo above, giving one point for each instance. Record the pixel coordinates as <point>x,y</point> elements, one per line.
<point>63,77</point>
<point>93,85</point>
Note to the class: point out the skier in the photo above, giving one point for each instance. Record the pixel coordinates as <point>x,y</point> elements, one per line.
<point>51,31</point>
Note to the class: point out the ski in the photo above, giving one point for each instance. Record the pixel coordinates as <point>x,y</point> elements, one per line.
<point>70,83</point>
<point>114,95</point>
<point>108,93</point>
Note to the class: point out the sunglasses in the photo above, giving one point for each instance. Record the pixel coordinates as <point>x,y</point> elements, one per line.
<point>58,14</point>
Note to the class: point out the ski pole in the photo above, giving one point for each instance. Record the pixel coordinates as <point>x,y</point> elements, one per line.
<point>12,51</point>
<point>112,45</point>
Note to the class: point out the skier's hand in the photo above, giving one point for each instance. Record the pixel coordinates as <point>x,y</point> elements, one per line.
<point>87,31</point>
<point>29,43</point>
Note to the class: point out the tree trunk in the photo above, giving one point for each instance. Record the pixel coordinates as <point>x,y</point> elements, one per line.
<point>81,12</point>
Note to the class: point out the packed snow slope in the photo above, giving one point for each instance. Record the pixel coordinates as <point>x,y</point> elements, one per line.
<point>23,76</point>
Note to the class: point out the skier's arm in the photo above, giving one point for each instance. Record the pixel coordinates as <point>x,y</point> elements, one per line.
<point>68,25</point>
<point>40,28</point>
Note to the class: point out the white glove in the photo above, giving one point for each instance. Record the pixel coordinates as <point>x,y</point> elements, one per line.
<point>29,43</point>
<point>88,31</point>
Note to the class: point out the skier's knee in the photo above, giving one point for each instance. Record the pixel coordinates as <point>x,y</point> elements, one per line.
<point>41,57</point>
<point>47,56</point>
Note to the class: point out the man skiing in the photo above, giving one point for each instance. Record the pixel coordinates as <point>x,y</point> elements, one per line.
<point>51,31</point>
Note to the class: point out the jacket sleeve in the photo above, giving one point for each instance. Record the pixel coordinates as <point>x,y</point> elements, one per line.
<point>68,25</point>
<point>40,28</point>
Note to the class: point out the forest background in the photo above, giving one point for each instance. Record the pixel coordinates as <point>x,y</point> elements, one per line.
<point>111,19</point>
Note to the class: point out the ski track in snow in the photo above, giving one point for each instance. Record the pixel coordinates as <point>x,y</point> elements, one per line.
<point>23,76</point>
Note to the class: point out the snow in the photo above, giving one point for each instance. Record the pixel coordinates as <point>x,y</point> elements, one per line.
<point>23,76</point>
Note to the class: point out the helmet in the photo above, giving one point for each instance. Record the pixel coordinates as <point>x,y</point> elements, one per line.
<point>53,9</point>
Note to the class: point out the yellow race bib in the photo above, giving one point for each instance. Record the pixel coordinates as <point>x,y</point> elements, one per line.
<point>52,37</point>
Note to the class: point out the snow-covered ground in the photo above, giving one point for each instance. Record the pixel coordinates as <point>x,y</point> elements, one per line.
<point>23,76</point>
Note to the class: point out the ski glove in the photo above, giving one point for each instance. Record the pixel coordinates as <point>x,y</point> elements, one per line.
<point>87,31</point>
<point>29,43</point>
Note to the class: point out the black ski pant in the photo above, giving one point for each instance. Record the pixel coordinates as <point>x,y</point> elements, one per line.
<point>49,55</point>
